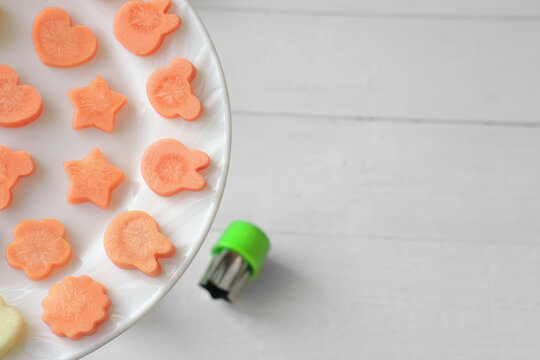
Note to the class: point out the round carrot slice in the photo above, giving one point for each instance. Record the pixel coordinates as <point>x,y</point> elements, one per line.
<point>59,44</point>
<point>19,104</point>
<point>76,307</point>
<point>141,26</point>
<point>170,92</point>
<point>38,248</point>
<point>13,164</point>
<point>133,241</point>
<point>169,167</point>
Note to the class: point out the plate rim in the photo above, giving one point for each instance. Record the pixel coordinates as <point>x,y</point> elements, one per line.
<point>220,189</point>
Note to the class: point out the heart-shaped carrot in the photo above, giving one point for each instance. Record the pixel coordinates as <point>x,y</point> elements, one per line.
<point>19,104</point>
<point>133,241</point>
<point>168,167</point>
<point>170,93</point>
<point>59,44</point>
<point>141,26</point>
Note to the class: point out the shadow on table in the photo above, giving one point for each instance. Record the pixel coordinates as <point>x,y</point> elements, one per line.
<point>273,280</point>
<point>275,286</point>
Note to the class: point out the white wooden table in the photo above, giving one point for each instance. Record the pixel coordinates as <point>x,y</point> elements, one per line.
<point>391,150</point>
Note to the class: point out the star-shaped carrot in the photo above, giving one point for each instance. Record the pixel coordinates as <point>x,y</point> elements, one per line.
<point>92,179</point>
<point>95,105</point>
<point>38,248</point>
<point>133,241</point>
<point>13,164</point>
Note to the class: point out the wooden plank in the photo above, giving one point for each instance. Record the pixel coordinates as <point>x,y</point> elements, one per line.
<point>390,239</point>
<point>465,8</point>
<point>391,68</point>
<point>393,180</point>
<point>349,298</point>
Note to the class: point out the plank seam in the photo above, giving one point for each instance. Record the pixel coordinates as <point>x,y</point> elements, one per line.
<point>371,15</point>
<point>392,238</point>
<point>390,119</point>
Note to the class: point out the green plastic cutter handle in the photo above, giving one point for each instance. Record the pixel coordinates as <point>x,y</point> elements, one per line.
<point>246,240</point>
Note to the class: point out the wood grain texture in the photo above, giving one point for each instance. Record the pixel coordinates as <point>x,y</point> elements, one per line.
<point>501,9</point>
<point>389,148</point>
<point>361,178</point>
<point>389,241</point>
<point>351,297</point>
<point>406,69</point>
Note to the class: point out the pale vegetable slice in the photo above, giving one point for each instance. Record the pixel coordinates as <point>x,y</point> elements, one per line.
<point>11,327</point>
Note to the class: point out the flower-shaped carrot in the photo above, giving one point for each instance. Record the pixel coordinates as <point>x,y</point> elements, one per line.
<point>141,26</point>
<point>38,248</point>
<point>59,44</point>
<point>13,164</point>
<point>76,307</point>
<point>169,167</point>
<point>170,93</point>
<point>19,104</point>
<point>95,105</point>
<point>133,241</point>
<point>92,179</point>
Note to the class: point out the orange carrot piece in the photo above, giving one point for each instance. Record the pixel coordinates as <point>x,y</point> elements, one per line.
<point>92,179</point>
<point>13,164</point>
<point>58,43</point>
<point>76,307</point>
<point>38,248</point>
<point>133,241</point>
<point>168,167</point>
<point>95,105</point>
<point>170,92</point>
<point>19,104</point>
<point>141,26</point>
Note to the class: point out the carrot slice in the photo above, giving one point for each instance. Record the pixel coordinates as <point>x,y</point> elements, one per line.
<point>59,44</point>
<point>38,248</point>
<point>76,307</point>
<point>133,241</point>
<point>169,167</point>
<point>13,164</point>
<point>170,93</point>
<point>141,26</point>
<point>19,104</point>
<point>95,105</point>
<point>92,179</point>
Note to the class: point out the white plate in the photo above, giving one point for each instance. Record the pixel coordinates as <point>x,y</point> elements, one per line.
<point>185,218</point>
